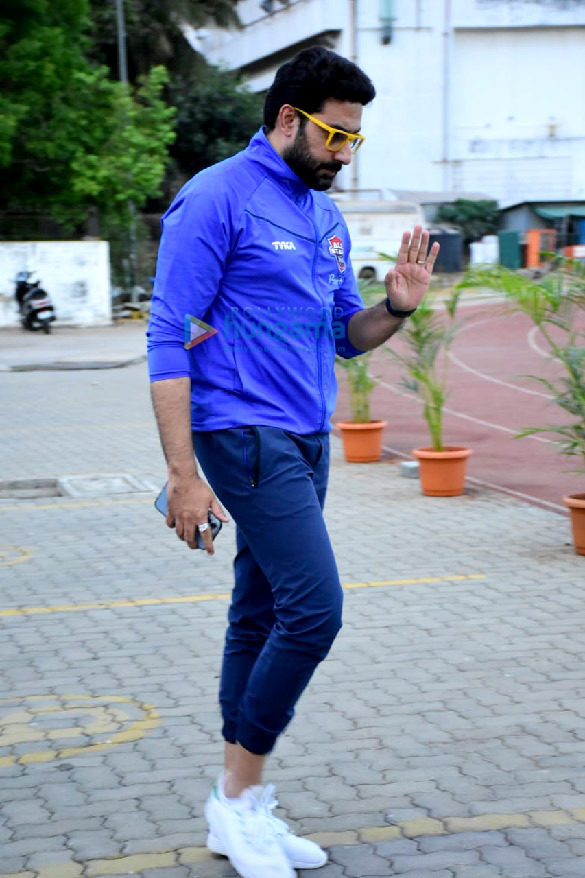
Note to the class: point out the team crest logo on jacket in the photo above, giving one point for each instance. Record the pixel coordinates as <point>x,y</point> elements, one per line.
<point>336,249</point>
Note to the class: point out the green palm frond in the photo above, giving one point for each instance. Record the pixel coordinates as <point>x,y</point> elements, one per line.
<point>555,304</point>
<point>429,334</point>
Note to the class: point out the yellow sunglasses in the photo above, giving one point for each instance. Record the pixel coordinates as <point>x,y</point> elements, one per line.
<point>336,139</point>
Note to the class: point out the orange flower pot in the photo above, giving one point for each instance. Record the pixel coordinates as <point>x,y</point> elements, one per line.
<point>576,504</point>
<point>362,443</point>
<point>442,473</point>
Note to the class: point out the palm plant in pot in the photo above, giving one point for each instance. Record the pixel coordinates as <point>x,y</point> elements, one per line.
<point>428,336</point>
<point>555,304</point>
<point>362,436</point>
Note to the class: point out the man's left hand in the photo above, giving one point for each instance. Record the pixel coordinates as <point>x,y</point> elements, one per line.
<point>407,283</point>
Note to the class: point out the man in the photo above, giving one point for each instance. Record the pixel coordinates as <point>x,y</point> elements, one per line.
<point>255,249</point>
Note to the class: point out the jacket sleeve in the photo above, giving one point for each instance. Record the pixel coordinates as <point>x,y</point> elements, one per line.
<point>347,301</point>
<point>193,252</point>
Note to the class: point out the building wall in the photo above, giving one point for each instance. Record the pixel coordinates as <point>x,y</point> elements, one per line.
<point>76,274</point>
<point>517,126</point>
<point>473,95</point>
<point>522,218</point>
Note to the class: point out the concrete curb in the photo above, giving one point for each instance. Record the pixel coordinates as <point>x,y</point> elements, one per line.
<point>64,366</point>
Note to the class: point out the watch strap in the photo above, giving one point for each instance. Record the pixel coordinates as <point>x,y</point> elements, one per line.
<point>395,313</point>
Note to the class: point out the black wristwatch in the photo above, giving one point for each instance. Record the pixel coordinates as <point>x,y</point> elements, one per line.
<point>400,314</point>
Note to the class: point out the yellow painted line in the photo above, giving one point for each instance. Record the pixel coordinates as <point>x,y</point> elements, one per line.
<point>134,732</point>
<point>216,596</point>
<point>107,605</point>
<point>6,551</point>
<point>419,581</point>
<point>187,856</point>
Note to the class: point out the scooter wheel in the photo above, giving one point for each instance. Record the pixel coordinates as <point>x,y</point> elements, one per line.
<point>46,326</point>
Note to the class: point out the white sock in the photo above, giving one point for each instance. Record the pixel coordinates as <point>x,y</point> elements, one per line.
<point>232,802</point>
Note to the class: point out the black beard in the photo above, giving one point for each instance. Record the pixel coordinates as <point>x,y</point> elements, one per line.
<point>313,173</point>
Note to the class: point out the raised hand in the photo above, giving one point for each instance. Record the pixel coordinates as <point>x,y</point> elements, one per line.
<point>407,283</point>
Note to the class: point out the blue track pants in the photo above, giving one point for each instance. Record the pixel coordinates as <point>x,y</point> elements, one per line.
<point>287,598</point>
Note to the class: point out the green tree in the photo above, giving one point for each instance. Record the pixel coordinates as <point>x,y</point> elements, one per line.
<point>70,137</point>
<point>154,32</point>
<point>474,218</point>
<point>216,116</point>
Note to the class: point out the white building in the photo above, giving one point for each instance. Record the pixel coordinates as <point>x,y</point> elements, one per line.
<point>484,96</point>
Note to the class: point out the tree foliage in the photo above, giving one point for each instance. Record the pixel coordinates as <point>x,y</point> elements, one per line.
<point>73,137</point>
<point>474,218</point>
<point>555,305</point>
<point>70,136</point>
<point>216,116</point>
<point>155,33</point>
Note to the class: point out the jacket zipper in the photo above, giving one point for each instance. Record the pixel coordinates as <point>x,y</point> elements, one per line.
<point>319,363</point>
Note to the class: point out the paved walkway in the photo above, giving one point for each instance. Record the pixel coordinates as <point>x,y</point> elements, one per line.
<point>67,347</point>
<point>444,737</point>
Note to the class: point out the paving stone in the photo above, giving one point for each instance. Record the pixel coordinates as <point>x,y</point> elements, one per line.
<point>126,793</point>
<point>27,811</point>
<point>359,860</point>
<point>390,849</point>
<point>14,867</point>
<point>138,846</point>
<point>53,828</point>
<point>171,872</point>
<point>27,846</point>
<point>435,861</point>
<point>126,825</point>
<point>50,857</point>
<point>462,841</point>
<point>91,845</point>
<point>427,873</point>
<point>564,868</point>
<point>61,795</point>
<point>330,870</point>
<point>513,861</point>
<point>483,871</point>
<point>538,844</point>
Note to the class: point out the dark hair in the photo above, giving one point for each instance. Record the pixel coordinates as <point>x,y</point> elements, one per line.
<point>313,76</point>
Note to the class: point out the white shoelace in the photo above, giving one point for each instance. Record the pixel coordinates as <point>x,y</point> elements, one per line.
<point>267,803</point>
<point>256,819</point>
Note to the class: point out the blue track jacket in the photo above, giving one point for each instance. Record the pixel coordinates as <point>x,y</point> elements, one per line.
<point>248,249</point>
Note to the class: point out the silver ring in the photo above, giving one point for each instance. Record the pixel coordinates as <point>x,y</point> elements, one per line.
<point>420,261</point>
<point>203,527</point>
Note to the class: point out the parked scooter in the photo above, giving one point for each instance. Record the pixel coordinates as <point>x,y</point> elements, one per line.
<point>34,303</point>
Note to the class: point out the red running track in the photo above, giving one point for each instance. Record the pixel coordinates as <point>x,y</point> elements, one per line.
<point>489,401</point>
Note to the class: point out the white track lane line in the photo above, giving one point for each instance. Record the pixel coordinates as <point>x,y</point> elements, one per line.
<point>464,417</point>
<point>490,378</point>
<point>534,344</point>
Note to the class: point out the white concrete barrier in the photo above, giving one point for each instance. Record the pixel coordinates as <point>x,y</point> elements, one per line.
<point>76,274</point>
<point>485,251</point>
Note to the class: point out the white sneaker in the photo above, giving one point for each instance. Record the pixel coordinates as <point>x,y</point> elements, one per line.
<point>300,852</point>
<point>242,832</point>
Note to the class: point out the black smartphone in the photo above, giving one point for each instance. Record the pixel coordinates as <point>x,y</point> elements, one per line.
<point>214,523</point>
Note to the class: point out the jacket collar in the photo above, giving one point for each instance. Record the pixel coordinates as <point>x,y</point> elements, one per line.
<point>262,151</point>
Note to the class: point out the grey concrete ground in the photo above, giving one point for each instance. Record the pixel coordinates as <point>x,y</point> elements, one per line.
<point>444,737</point>
<point>104,345</point>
